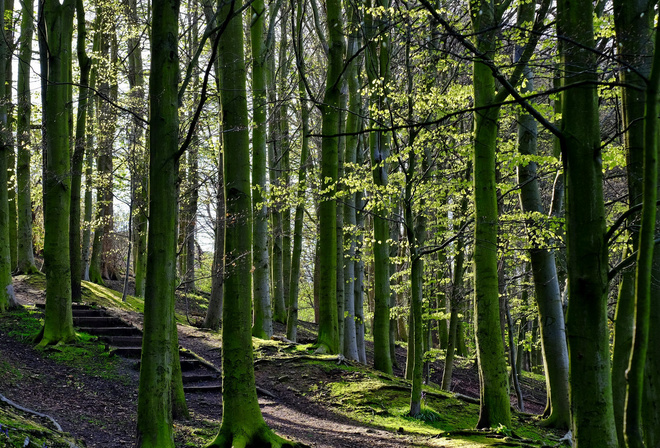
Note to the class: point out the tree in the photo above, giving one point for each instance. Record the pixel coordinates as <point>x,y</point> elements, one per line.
<point>57,35</point>
<point>263,322</point>
<point>155,401</point>
<point>242,422</point>
<point>25,255</point>
<point>139,168</point>
<point>101,264</point>
<point>586,320</point>
<point>292,316</point>
<point>546,281</point>
<point>328,338</point>
<point>378,72</point>
<point>494,408</point>
<point>7,298</point>
<point>85,63</point>
<point>636,373</point>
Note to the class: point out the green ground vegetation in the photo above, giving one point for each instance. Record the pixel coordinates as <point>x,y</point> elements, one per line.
<point>18,429</point>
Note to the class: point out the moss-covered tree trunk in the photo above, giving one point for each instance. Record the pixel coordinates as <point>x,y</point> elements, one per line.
<point>633,431</point>
<point>495,406</point>
<point>263,321</point>
<point>25,252</point>
<point>58,320</point>
<point>242,422</point>
<point>154,420</point>
<point>296,254</point>
<point>7,297</point>
<point>633,25</point>
<point>11,159</point>
<point>377,68</point>
<point>328,338</point>
<point>586,320</point>
<point>85,63</point>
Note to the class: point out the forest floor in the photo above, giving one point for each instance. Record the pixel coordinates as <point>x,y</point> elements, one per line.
<point>311,398</point>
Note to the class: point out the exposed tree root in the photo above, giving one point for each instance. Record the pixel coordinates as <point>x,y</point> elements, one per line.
<point>241,437</point>
<point>30,411</point>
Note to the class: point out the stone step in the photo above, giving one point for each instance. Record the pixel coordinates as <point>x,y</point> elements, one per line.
<point>127,352</point>
<point>95,321</point>
<point>89,312</point>
<point>192,377</point>
<point>74,306</point>
<point>123,341</point>
<point>111,331</point>
<point>201,388</point>
<point>190,364</point>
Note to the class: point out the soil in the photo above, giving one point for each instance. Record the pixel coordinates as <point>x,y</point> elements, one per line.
<point>102,412</point>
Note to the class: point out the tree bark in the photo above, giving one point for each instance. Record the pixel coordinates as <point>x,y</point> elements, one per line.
<point>25,252</point>
<point>155,400</point>
<point>586,320</point>
<point>328,337</point>
<point>58,319</point>
<point>263,321</point>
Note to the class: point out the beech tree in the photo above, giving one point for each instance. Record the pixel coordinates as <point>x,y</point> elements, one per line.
<point>328,338</point>
<point>25,255</point>
<point>7,298</point>
<point>242,422</point>
<point>156,397</point>
<point>586,320</point>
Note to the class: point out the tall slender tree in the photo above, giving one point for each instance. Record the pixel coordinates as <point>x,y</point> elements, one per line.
<point>242,422</point>
<point>57,36</point>
<point>85,64</point>
<point>586,320</point>
<point>155,395</point>
<point>25,252</point>
<point>377,66</point>
<point>7,297</point>
<point>263,321</point>
<point>328,338</point>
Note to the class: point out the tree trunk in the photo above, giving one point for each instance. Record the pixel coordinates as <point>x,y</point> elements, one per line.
<point>495,407</point>
<point>75,254</point>
<point>633,25</point>
<point>328,338</point>
<point>546,282</point>
<point>58,320</point>
<point>242,422</point>
<point>7,297</point>
<point>263,321</point>
<point>25,252</point>
<point>154,420</point>
<point>633,432</point>
<point>377,65</point>
<point>586,321</point>
<point>292,318</point>
<point>139,165</point>
<point>9,138</point>
<point>101,264</point>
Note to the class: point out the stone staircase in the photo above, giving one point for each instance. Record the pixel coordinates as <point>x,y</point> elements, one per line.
<point>125,340</point>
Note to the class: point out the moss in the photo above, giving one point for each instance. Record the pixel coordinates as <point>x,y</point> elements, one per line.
<point>17,428</point>
<point>86,354</point>
<point>378,401</point>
